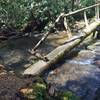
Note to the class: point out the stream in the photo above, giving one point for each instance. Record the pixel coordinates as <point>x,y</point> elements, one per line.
<point>79,74</point>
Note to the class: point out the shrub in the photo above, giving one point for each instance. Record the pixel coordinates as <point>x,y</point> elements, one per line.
<point>18,12</point>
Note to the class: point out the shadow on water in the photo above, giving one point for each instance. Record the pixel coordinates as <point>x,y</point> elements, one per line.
<point>85,87</point>
<point>79,73</point>
<point>83,81</point>
<point>14,53</point>
<point>17,67</point>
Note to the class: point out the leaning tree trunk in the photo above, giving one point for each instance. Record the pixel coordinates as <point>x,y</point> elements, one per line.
<point>60,51</point>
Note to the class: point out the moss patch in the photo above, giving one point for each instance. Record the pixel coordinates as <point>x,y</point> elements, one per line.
<point>39,91</point>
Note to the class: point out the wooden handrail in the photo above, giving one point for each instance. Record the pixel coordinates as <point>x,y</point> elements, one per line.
<point>74,12</point>
<point>80,10</point>
<point>65,23</point>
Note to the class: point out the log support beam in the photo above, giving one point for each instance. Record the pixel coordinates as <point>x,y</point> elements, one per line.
<point>97,12</point>
<point>68,31</point>
<point>85,19</point>
<point>57,54</point>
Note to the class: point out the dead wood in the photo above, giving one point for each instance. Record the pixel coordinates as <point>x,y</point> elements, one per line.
<point>57,54</point>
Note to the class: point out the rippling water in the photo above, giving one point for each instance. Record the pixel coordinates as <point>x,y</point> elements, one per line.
<point>79,74</point>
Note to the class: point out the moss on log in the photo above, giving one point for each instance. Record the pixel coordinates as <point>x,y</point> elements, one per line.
<point>57,54</point>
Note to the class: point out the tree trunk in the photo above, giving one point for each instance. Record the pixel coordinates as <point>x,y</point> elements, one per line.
<point>60,51</point>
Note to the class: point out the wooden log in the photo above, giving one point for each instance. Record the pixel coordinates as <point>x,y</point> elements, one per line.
<point>42,39</point>
<point>48,33</point>
<point>60,51</point>
<point>67,28</point>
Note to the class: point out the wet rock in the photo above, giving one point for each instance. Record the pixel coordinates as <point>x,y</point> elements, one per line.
<point>27,65</point>
<point>67,95</point>
<point>12,72</point>
<point>2,70</point>
<point>95,46</point>
<point>2,67</point>
<point>86,54</point>
<point>91,47</point>
<point>24,92</point>
<point>3,73</point>
<point>51,89</point>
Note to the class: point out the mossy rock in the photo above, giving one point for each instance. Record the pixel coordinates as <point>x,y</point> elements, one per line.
<point>67,95</point>
<point>36,91</point>
<point>39,91</point>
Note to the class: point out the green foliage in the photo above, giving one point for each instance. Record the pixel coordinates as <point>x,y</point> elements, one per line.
<point>69,96</point>
<point>14,12</point>
<point>39,91</point>
<point>48,10</point>
<point>85,3</point>
<point>18,12</point>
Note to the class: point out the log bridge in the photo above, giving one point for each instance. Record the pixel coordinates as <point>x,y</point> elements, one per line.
<point>58,53</point>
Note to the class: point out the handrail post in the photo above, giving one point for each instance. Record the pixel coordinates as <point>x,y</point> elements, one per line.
<point>67,28</point>
<point>85,19</point>
<point>97,12</point>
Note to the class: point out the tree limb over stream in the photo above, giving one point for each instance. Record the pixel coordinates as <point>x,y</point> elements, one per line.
<point>57,54</point>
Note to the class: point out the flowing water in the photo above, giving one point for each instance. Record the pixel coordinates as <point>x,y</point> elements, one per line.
<point>79,73</point>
